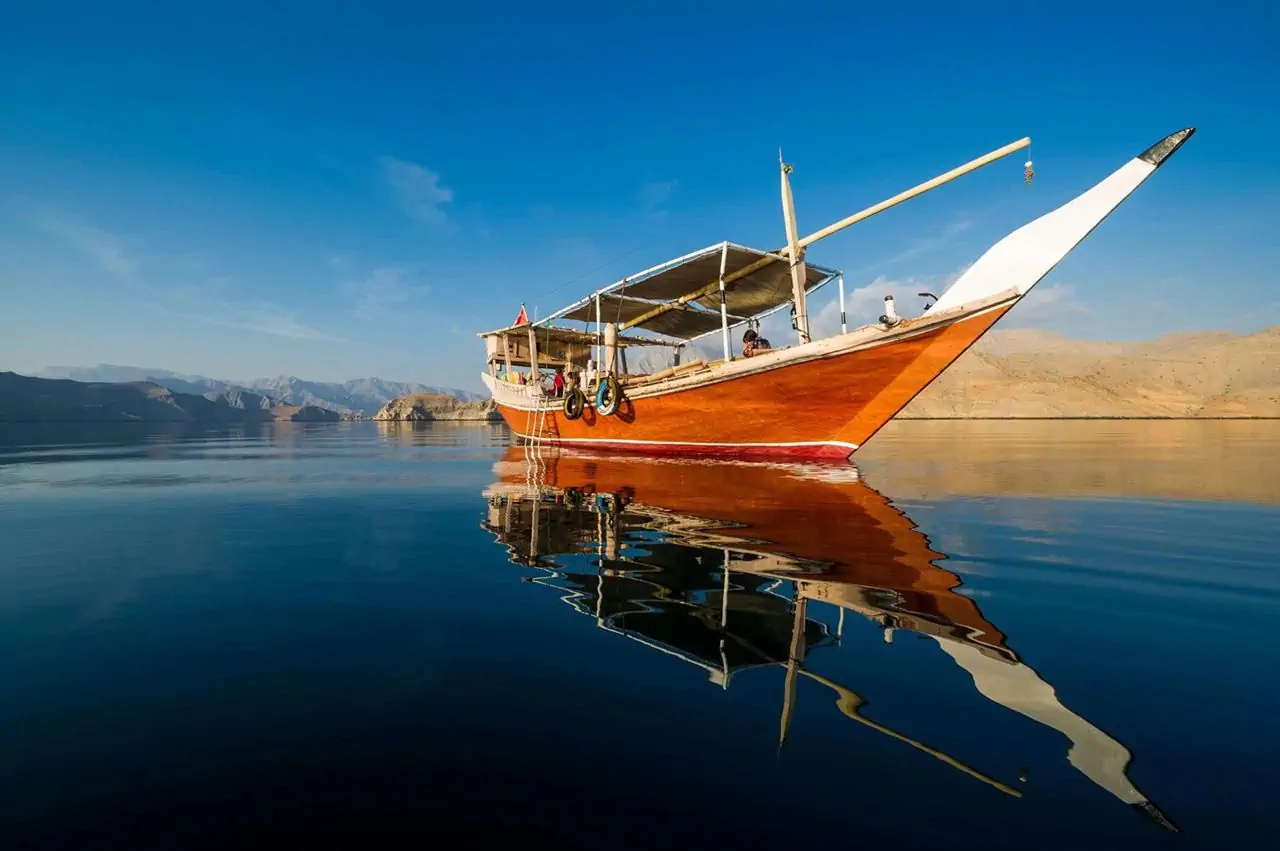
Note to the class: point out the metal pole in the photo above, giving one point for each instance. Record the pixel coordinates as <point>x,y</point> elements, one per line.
<point>724,599</point>
<point>533,353</point>
<point>724,621</point>
<point>724,308</point>
<point>533,530</point>
<point>844,326</point>
<point>599,340</point>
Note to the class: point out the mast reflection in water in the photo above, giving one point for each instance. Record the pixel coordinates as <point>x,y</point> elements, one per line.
<point>733,567</point>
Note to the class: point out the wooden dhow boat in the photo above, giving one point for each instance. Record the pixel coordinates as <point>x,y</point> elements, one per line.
<point>817,399</point>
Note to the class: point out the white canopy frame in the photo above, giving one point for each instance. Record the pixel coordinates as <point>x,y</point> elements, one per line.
<point>594,303</point>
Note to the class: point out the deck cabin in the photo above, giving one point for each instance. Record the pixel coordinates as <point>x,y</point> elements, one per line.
<point>715,292</point>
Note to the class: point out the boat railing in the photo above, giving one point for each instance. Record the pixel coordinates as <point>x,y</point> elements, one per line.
<point>523,395</point>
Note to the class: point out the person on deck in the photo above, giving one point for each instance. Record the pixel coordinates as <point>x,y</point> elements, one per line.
<point>753,343</point>
<point>557,383</point>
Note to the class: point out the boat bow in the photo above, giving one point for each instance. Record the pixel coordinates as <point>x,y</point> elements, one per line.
<point>1023,258</point>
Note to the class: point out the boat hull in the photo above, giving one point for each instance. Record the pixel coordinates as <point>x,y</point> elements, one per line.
<point>820,408</point>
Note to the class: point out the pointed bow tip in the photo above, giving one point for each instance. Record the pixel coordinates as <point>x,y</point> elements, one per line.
<point>1154,813</point>
<point>1165,148</point>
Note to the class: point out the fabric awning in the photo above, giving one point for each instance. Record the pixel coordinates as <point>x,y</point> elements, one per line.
<point>749,297</point>
<point>618,308</point>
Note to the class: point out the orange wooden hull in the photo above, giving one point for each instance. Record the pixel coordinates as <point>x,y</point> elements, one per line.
<point>821,408</point>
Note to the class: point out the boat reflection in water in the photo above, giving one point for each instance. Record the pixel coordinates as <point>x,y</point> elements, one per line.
<point>718,564</point>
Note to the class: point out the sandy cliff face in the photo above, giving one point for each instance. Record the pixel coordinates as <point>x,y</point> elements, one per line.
<point>1040,374</point>
<point>436,406</point>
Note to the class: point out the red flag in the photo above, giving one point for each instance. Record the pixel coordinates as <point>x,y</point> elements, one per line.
<point>523,318</point>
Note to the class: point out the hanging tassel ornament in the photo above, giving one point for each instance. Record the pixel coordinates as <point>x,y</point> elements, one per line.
<point>1028,172</point>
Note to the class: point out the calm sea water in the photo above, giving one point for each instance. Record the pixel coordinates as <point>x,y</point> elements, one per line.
<point>982,635</point>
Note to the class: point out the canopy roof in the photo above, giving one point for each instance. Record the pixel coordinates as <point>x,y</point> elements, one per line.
<point>551,335</point>
<point>554,346</point>
<point>750,297</point>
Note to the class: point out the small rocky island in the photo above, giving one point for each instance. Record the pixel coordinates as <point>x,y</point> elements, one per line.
<point>427,407</point>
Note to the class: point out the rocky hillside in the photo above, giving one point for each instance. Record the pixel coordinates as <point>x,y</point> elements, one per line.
<point>1042,374</point>
<point>360,396</point>
<point>46,400</point>
<point>436,406</point>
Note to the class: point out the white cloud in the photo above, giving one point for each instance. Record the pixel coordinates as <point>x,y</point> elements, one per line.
<point>921,246</point>
<point>106,249</point>
<point>1044,305</point>
<point>865,304</point>
<point>260,317</point>
<point>204,300</point>
<point>278,322</point>
<point>418,190</point>
<point>385,292</point>
<point>654,194</point>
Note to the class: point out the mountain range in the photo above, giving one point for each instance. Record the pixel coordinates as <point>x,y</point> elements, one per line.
<point>24,399</point>
<point>364,396</point>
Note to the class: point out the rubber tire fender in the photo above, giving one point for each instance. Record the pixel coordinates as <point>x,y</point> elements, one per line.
<point>608,396</point>
<point>574,404</point>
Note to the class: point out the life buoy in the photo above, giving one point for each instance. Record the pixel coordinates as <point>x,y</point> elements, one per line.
<point>608,396</point>
<point>574,403</point>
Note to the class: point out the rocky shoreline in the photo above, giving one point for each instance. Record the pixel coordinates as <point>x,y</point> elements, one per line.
<point>429,407</point>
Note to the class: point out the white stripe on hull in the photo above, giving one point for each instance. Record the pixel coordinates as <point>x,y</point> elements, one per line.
<point>834,449</point>
<point>550,439</point>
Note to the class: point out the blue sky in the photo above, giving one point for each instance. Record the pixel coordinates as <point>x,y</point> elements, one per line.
<point>335,190</point>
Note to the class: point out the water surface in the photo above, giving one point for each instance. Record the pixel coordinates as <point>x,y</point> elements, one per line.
<point>981,635</point>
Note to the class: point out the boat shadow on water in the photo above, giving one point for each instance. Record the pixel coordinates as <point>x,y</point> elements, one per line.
<point>719,564</point>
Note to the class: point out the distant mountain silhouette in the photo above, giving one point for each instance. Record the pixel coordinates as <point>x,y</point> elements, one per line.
<point>49,400</point>
<point>364,396</point>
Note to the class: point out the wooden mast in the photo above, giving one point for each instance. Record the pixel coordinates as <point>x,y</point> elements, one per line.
<point>724,309</point>
<point>610,348</point>
<point>714,286</point>
<point>533,355</point>
<point>798,275</point>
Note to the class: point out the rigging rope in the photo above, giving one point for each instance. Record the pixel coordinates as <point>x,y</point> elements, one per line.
<point>605,265</point>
